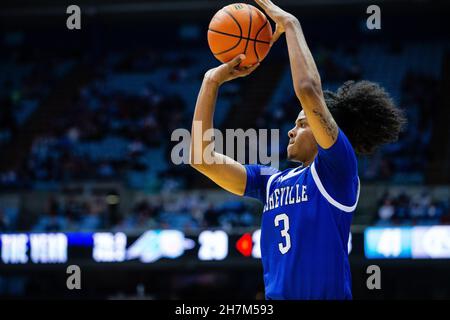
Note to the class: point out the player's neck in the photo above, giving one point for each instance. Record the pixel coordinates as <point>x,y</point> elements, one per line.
<point>307,163</point>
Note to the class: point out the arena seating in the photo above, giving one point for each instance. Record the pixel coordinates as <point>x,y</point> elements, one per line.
<point>113,130</point>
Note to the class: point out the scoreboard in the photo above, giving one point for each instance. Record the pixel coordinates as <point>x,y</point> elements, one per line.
<point>208,247</point>
<point>418,242</point>
<point>150,247</point>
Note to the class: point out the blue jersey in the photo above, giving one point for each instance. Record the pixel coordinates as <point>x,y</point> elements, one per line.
<point>306,224</point>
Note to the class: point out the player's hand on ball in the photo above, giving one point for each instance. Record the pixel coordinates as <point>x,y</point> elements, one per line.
<point>230,70</point>
<point>278,15</point>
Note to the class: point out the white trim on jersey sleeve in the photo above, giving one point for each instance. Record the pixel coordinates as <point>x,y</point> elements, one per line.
<point>269,182</point>
<point>328,197</point>
<point>292,173</point>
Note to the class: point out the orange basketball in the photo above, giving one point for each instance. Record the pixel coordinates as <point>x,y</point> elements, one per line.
<point>240,28</point>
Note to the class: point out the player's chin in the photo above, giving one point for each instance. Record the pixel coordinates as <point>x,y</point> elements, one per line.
<point>293,154</point>
<point>290,154</point>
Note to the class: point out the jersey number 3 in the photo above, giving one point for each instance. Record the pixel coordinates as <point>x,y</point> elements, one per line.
<point>284,232</point>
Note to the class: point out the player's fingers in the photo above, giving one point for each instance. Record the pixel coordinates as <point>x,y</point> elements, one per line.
<point>246,71</point>
<point>268,3</point>
<point>267,7</point>
<point>253,67</point>
<point>262,4</point>
<point>236,61</point>
<point>278,32</point>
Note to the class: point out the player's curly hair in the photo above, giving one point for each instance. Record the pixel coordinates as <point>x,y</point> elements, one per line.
<point>366,114</point>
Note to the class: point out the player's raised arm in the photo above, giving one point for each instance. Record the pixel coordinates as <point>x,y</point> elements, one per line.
<point>305,76</point>
<point>224,171</point>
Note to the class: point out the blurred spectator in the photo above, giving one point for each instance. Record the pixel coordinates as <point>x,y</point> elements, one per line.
<point>4,222</point>
<point>419,208</point>
<point>53,220</point>
<point>386,211</point>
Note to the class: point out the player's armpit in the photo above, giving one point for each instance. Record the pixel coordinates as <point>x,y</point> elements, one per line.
<point>225,172</point>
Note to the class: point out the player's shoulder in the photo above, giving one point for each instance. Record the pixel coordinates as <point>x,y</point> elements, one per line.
<point>338,159</point>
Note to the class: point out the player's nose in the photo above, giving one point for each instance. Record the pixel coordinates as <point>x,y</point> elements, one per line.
<point>291,133</point>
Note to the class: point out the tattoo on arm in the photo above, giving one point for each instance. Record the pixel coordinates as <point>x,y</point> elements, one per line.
<point>328,124</point>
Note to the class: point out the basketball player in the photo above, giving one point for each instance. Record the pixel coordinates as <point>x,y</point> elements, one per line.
<point>307,210</point>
